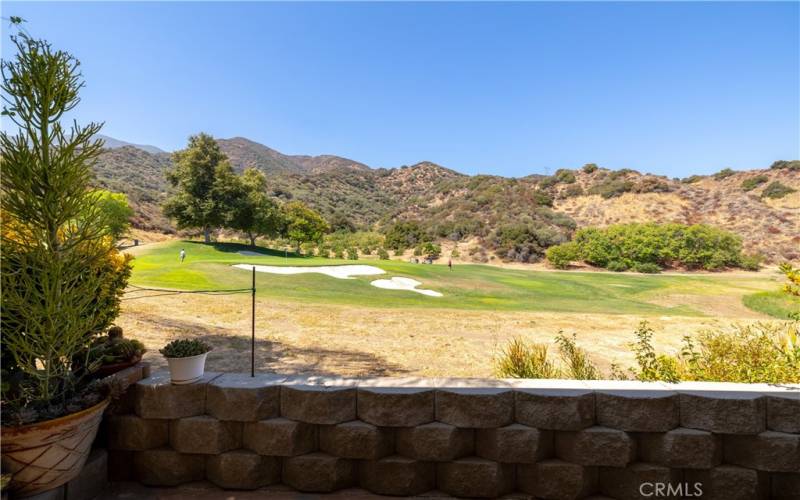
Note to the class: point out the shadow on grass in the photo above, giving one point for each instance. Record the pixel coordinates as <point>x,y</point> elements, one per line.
<point>232,352</point>
<point>240,247</point>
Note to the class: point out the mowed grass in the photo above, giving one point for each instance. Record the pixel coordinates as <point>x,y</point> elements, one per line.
<point>776,304</point>
<point>469,287</point>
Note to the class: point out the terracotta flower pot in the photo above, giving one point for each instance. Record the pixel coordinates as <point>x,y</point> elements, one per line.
<point>187,370</point>
<point>106,370</point>
<point>45,455</point>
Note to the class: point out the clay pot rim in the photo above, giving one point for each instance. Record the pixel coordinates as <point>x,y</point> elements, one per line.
<point>10,431</point>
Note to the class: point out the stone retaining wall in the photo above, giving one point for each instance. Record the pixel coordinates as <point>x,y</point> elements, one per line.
<point>548,439</point>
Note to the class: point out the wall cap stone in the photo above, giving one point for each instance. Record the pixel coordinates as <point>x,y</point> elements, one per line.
<point>494,386</point>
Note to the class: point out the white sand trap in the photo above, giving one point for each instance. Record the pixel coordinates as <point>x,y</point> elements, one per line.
<point>407,284</point>
<point>340,272</point>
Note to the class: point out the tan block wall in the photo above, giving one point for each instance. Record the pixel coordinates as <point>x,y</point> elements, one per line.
<point>549,439</point>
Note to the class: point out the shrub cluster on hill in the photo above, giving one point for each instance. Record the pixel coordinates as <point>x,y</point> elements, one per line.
<point>788,165</point>
<point>612,185</point>
<point>776,189</point>
<point>754,182</point>
<point>652,247</point>
<point>723,174</point>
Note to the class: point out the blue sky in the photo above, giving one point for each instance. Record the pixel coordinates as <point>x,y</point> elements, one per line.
<point>502,88</point>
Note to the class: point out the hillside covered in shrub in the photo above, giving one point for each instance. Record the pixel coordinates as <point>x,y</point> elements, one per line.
<point>514,219</point>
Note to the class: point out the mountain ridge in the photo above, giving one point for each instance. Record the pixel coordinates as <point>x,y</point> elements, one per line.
<point>457,206</point>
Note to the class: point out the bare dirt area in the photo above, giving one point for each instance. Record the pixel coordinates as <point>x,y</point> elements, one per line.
<point>295,338</point>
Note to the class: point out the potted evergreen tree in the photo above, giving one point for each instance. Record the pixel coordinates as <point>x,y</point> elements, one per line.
<point>62,277</point>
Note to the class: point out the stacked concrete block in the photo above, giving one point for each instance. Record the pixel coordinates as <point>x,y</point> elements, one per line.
<point>681,448</point>
<point>482,408</point>
<point>315,401</point>
<point>640,480</point>
<point>319,472</point>
<point>544,439</point>
<point>393,403</point>
<point>596,446</point>
<point>435,442</point>
<point>242,470</point>
<point>635,406</point>
<point>475,477</point>
<point>554,479</point>
<point>204,435</point>
<point>242,398</point>
<point>397,475</point>
<point>280,437</point>
<point>356,439</point>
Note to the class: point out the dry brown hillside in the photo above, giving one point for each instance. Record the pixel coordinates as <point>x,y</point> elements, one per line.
<point>767,226</point>
<point>514,218</point>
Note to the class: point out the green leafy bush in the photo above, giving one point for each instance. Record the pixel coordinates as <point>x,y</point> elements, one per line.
<point>754,182</point>
<point>352,254</point>
<point>751,262</point>
<point>522,242</point>
<point>692,179</point>
<point>185,348</point>
<point>622,246</point>
<point>651,365</point>
<point>428,250</point>
<point>574,359</point>
<point>560,256</point>
<point>618,266</point>
<point>776,189</point>
<point>402,235</point>
<point>647,268</point>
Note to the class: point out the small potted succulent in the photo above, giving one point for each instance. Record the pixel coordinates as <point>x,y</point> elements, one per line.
<point>187,359</point>
<point>111,353</point>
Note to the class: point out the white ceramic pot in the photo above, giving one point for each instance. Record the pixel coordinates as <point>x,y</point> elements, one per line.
<point>187,370</point>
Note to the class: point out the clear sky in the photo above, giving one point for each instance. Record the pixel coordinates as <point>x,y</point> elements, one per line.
<point>502,88</point>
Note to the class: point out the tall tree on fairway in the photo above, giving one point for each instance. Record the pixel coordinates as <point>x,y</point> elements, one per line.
<point>303,224</point>
<point>205,186</point>
<point>253,212</point>
<point>117,210</point>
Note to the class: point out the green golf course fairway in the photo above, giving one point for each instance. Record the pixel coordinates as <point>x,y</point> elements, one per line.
<point>472,287</point>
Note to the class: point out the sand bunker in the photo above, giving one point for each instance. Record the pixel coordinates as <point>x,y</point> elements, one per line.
<point>340,272</point>
<point>345,273</point>
<point>404,284</point>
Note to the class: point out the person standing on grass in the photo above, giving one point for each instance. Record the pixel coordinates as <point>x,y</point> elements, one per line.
<point>450,263</point>
<point>183,255</point>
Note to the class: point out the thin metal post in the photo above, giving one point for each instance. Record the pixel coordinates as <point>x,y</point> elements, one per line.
<point>253,328</point>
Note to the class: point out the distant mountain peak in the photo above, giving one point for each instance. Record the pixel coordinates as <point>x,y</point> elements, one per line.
<point>112,143</point>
